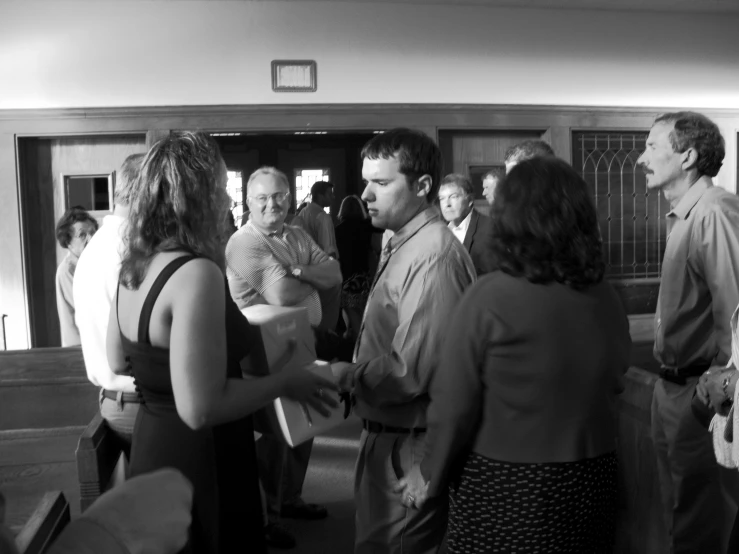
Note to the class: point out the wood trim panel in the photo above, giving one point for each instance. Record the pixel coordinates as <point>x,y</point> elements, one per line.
<point>557,122</point>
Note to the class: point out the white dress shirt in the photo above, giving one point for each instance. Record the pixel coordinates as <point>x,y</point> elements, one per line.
<point>95,285</point>
<point>461,230</point>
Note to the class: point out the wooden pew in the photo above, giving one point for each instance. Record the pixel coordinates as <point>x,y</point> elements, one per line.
<point>46,522</point>
<point>46,402</point>
<point>45,388</point>
<point>97,454</point>
<point>641,526</point>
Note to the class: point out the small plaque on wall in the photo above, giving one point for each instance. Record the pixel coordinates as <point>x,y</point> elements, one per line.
<point>294,76</point>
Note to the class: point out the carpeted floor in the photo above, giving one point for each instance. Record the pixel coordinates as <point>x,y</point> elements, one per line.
<point>330,481</point>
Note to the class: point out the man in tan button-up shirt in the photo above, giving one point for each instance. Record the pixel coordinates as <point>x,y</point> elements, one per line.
<point>698,292</point>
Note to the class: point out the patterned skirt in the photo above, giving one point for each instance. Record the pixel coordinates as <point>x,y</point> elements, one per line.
<point>507,508</point>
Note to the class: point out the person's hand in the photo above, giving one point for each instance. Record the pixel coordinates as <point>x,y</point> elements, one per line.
<point>710,387</point>
<point>344,375</point>
<point>304,386</point>
<point>149,514</point>
<point>412,488</point>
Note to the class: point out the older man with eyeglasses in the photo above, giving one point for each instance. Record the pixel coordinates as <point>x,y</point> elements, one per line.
<point>269,262</point>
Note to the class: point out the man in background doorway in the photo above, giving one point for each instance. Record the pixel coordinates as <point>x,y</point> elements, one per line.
<point>73,231</point>
<point>525,151</point>
<point>314,220</point>
<point>698,292</point>
<point>472,229</point>
<point>490,181</point>
<point>95,286</point>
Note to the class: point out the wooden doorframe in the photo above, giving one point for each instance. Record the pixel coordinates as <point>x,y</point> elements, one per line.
<point>557,121</point>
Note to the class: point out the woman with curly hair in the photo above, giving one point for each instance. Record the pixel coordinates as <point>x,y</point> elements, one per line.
<point>175,327</point>
<point>522,419</point>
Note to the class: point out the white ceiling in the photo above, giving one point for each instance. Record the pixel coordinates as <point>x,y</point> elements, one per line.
<point>697,6</point>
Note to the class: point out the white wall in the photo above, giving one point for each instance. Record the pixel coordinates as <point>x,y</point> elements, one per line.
<point>98,54</point>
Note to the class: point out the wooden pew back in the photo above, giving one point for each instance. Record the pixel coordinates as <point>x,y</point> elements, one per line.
<point>44,388</point>
<point>44,525</point>
<point>641,525</point>
<point>97,454</point>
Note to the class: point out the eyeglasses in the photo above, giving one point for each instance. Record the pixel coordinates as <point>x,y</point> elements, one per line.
<point>277,197</point>
<point>453,197</point>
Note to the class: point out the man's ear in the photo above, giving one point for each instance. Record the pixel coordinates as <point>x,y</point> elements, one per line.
<point>423,185</point>
<point>690,159</point>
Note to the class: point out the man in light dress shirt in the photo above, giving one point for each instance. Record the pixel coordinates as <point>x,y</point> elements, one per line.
<point>472,229</point>
<point>698,291</point>
<point>95,286</point>
<point>319,225</point>
<point>422,274</point>
<point>269,262</point>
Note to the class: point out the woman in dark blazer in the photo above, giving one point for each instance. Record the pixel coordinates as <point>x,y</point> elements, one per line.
<point>522,419</point>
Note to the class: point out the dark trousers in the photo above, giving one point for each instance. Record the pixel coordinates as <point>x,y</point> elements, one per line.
<point>699,497</point>
<point>330,307</point>
<point>282,470</point>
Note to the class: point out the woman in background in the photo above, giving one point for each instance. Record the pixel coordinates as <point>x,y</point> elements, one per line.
<point>354,242</point>
<point>522,419</point>
<point>176,328</point>
<point>73,231</point>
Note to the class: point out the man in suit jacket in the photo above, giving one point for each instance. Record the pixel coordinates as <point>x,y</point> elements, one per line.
<point>456,199</point>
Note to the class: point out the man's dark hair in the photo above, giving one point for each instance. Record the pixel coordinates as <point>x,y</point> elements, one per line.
<point>545,227</point>
<point>320,188</point>
<point>459,180</point>
<point>526,150</point>
<point>695,130</point>
<point>75,214</point>
<point>496,173</point>
<point>415,151</point>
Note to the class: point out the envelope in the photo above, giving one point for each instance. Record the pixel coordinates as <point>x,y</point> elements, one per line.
<point>301,422</point>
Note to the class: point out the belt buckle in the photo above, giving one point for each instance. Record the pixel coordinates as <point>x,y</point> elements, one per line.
<point>673,375</point>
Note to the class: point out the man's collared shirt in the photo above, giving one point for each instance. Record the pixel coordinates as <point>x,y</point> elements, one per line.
<point>460,231</point>
<point>319,225</point>
<point>65,300</point>
<point>255,261</point>
<point>407,311</point>
<point>95,286</point>
<point>700,278</point>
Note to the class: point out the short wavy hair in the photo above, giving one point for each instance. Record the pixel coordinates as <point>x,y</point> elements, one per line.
<point>180,204</point>
<point>75,214</point>
<point>496,173</point>
<point>127,181</point>
<point>352,207</point>
<point>415,151</point>
<point>458,180</point>
<point>545,226</point>
<point>695,130</point>
<point>268,170</point>
<point>526,150</point>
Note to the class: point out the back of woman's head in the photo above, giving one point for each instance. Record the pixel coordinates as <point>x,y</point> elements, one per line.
<point>545,227</point>
<point>352,208</point>
<point>181,203</point>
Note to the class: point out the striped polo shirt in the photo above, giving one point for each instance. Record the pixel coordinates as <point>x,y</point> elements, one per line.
<point>255,261</point>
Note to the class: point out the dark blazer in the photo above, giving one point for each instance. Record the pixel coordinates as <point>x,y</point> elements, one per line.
<point>477,241</point>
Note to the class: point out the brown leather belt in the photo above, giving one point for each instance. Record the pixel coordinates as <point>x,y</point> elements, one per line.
<point>126,398</point>
<point>374,427</point>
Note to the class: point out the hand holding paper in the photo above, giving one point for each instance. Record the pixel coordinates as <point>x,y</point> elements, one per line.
<point>306,387</point>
